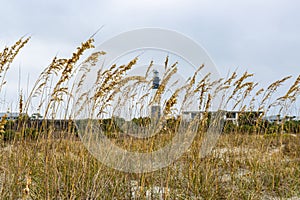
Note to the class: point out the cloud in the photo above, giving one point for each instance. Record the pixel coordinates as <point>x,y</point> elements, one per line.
<point>258,36</point>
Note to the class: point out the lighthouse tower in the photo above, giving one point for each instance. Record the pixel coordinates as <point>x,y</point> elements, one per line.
<point>155,108</point>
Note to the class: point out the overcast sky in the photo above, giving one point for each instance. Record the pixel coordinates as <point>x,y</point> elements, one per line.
<point>262,37</point>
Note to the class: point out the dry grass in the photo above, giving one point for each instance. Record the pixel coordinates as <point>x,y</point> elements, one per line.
<point>255,165</point>
<point>241,167</point>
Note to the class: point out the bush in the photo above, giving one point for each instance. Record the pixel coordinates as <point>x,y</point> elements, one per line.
<point>9,135</point>
<point>31,133</point>
<point>247,129</point>
<point>273,128</point>
<point>292,126</point>
<point>229,127</point>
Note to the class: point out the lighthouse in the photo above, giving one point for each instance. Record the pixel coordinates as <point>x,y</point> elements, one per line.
<point>155,108</point>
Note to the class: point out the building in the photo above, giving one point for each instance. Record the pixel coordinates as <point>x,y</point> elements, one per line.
<point>155,108</point>
<point>10,115</point>
<point>156,80</point>
<point>155,111</point>
<point>235,117</point>
<point>278,119</point>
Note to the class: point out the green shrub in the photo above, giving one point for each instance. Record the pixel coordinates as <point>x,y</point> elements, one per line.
<point>31,133</point>
<point>9,135</point>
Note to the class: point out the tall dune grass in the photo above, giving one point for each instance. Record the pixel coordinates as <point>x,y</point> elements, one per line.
<point>39,161</point>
